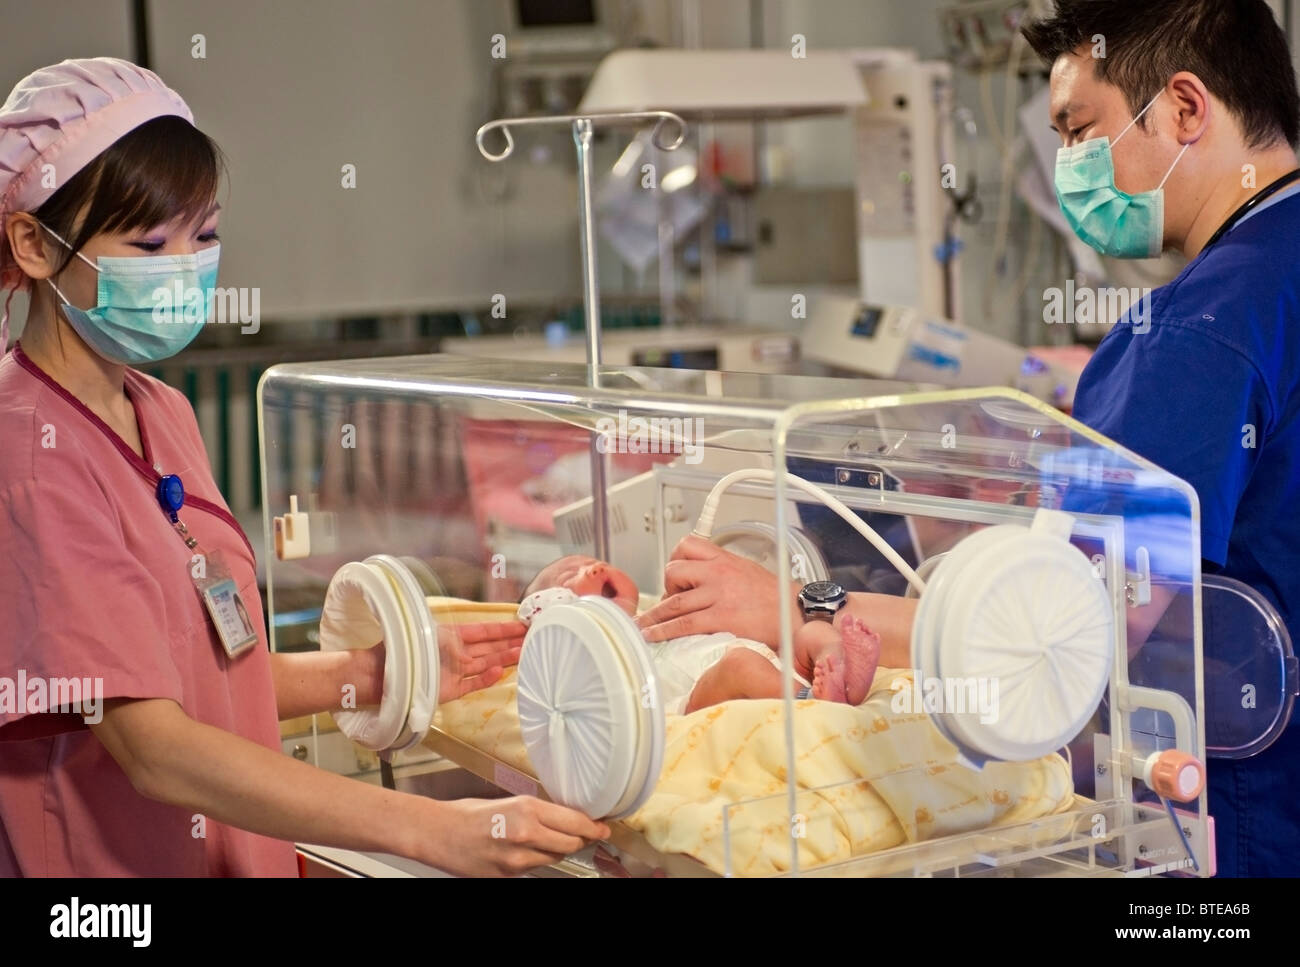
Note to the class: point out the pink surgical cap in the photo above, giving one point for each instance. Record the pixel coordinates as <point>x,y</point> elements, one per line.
<point>59,119</point>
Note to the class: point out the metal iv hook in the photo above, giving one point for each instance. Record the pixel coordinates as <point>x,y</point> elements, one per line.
<point>660,117</point>
<point>583,127</point>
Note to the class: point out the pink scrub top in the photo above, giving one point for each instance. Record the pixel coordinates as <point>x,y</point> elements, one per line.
<point>95,583</point>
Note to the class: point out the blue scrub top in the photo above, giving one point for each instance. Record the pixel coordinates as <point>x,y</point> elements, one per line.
<point>1212,394</point>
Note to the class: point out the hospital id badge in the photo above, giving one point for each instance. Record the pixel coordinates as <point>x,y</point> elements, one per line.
<point>226,608</point>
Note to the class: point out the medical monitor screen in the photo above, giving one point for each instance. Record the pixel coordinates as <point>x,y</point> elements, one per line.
<point>556,13</point>
<point>866,322</point>
<point>677,358</point>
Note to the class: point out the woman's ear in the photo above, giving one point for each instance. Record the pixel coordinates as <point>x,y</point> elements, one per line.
<point>30,246</point>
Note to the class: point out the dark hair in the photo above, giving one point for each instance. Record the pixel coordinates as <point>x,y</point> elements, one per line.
<point>1235,47</point>
<point>162,169</point>
<point>531,586</point>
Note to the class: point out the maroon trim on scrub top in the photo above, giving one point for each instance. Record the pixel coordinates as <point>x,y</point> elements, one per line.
<point>139,419</point>
<point>143,465</point>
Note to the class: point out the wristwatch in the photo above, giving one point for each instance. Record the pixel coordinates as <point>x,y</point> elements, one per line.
<point>822,599</point>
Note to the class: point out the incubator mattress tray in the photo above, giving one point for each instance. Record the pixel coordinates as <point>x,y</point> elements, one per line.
<point>720,805</point>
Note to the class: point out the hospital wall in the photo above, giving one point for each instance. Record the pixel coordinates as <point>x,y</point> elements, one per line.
<point>296,90</point>
<point>301,93</point>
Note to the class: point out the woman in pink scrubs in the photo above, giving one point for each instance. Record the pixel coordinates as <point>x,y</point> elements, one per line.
<point>168,761</point>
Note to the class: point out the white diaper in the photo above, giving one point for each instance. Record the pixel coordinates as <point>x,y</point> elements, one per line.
<point>681,662</point>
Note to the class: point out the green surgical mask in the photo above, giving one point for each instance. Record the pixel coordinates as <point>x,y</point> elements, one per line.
<point>147,308</point>
<point>1114,223</point>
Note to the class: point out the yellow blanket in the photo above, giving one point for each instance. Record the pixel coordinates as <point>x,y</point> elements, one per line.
<point>869,778</point>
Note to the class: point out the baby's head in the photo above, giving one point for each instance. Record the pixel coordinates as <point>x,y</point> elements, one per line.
<point>585,575</point>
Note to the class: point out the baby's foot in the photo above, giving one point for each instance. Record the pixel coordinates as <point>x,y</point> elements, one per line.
<point>861,648</point>
<point>828,679</point>
<point>844,673</point>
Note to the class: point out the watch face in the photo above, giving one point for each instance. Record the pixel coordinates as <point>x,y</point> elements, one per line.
<point>822,591</point>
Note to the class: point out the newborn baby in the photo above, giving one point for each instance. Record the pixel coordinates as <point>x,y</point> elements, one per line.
<point>696,671</point>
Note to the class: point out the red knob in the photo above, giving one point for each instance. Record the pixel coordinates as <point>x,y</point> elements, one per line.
<point>1177,775</point>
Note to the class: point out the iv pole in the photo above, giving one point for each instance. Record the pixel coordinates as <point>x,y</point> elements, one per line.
<point>582,130</point>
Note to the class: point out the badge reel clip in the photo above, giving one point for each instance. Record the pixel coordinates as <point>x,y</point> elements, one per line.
<point>211,577</point>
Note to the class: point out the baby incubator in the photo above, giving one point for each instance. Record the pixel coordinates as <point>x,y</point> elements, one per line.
<point>1071,671</point>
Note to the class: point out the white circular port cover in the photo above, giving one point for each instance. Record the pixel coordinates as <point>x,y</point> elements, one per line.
<point>403,739</point>
<point>1018,631</point>
<point>931,608</point>
<point>360,610</point>
<point>755,540</point>
<point>577,710</point>
<point>627,640</point>
<point>1029,625</point>
<point>426,669</point>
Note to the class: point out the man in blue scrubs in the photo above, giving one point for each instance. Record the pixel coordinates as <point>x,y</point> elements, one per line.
<point>1179,120</point>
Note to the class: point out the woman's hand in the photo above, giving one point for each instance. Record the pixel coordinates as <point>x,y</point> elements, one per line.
<point>474,656</point>
<point>506,837</point>
<point>708,590</point>
<point>169,757</point>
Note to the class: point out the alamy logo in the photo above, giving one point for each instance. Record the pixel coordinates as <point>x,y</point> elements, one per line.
<point>947,696</point>
<point>105,921</point>
<point>26,695</point>
<point>656,434</point>
<point>1087,306</point>
<point>240,306</point>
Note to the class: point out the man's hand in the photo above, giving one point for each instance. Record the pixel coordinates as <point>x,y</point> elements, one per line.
<point>708,590</point>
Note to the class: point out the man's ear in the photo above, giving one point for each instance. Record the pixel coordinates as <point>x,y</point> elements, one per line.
<point>1190,101</point>
<point>29,244</point>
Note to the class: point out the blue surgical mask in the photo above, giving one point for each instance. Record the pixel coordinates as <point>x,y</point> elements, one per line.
<point>1111,221</point>
<point>147,308</point>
